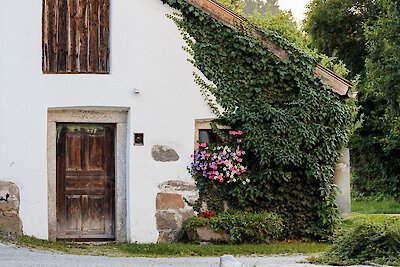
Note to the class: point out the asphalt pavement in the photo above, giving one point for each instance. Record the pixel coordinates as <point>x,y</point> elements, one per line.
<point>13,256</point>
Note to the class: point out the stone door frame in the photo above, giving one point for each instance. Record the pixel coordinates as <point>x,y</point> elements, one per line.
<point>114,115</point>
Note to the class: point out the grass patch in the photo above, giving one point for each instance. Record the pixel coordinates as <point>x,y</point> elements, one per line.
<point>170,250</point>
<point>357,219</point>
<point>184,250</point>
<point>373,206</point>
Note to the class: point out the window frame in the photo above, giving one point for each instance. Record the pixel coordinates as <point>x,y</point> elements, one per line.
<point>205,124</point>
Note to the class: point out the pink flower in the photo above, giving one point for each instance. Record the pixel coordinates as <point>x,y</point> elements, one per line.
<point>239,132</point>
<point>239,160</point>
<point>232,132</point>
<point>239,141</point>
<point>203,144</point>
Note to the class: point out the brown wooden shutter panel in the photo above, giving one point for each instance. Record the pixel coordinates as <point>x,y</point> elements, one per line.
<point>76,36</point>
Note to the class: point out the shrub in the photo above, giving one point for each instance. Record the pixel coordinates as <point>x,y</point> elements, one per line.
<point>367,241</point>
<point>242,227</point>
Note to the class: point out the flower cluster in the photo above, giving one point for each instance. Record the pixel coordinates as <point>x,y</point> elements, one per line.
<point>220,162</point>
<point>207,214</point>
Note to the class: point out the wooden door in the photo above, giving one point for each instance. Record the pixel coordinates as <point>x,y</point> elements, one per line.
<point>85,181</point>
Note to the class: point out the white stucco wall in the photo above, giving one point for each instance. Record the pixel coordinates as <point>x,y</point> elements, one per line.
<point>145,53</point>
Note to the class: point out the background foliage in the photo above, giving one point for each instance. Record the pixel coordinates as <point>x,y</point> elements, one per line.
<point>365,35</point>
<point>293,125</point>
<point>336,28</point>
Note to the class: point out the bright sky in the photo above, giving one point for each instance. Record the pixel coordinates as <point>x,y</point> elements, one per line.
<point>297,7</point>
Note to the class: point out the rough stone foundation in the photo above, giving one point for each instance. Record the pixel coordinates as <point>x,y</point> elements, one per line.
<point>10,221</point>
<point>172,210</point>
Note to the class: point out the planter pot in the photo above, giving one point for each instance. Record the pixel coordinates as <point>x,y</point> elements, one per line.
<point>206,234</point>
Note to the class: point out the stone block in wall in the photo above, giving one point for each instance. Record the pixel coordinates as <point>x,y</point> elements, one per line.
<point>165,201</point>
<point>10,221</point>
<point>167,220</point>
<point>171,210</point>
<point>187,214</point>
<point>187,189</point>
<point>164,153</point>
<point>177,186</point>
<point>166,236</point>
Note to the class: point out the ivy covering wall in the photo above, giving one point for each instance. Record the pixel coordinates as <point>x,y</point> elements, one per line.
<point>293,125</point>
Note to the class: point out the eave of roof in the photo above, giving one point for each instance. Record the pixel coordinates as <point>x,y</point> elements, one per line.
<point>231,19</point>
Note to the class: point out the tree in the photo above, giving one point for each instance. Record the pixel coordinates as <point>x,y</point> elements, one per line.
<point>336,28</point>
<point>381,132</point>
<point>266,14</point>
<point>262,7</point>
<point>365,35</point>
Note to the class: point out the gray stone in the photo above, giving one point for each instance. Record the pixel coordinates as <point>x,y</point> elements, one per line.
<point>187,214</point>
<point>230,261</point>
<point>13,200</point>
<point>167,236</point>
<point>10,221</point>
<point>164,153</point>
<point>177,185</point>
<point>166,220</point>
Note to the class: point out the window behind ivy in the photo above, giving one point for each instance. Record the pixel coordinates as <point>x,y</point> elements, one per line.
<point>75,36</point>
<point>209,137</point>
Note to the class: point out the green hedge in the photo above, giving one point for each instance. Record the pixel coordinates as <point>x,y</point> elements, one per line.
<point>242,227</point>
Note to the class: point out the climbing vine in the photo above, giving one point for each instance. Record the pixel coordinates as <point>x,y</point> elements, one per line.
<point>293,125</point>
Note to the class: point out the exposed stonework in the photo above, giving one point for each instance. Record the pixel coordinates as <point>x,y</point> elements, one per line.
<point>187,214</point>
<point>187,190</point>
<point>172,211</point>
<point>166,201</point>
<point>205,233</point>
<point>166,236</point>
<point>10,221</point>
<point>164,153</point>
<point>177,186</point>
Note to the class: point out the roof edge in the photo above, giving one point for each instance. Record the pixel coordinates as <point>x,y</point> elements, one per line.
<point>218,11</point>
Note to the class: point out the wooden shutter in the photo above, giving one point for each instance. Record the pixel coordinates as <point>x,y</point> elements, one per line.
<point>76,36</point>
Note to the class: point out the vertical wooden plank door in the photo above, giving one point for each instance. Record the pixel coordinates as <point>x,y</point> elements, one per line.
<point>85,181</point>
